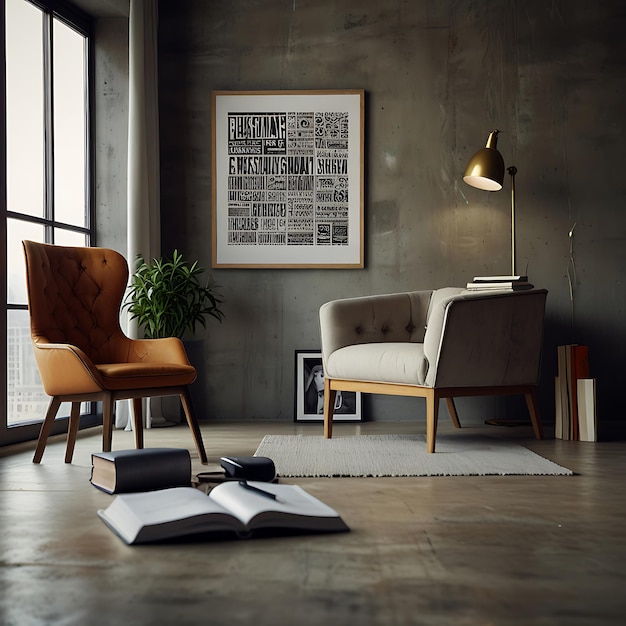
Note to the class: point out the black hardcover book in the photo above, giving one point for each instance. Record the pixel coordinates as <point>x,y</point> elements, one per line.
<point>127,471</point>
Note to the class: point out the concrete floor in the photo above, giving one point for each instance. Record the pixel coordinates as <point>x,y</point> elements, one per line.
<point>442,550</point>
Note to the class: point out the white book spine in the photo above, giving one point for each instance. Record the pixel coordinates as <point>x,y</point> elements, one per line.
<point>586,390</point>
<point>558,418</point>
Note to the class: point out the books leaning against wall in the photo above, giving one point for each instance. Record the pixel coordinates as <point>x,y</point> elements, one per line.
<point>499,283</point>
<point>575,395</point>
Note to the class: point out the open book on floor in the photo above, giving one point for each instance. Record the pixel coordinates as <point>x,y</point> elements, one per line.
<point>240,507</point>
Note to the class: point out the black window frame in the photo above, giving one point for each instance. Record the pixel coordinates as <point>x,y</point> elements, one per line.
<point>82,23</point>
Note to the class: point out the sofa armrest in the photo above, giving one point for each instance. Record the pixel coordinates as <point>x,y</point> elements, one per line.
<point>477,339</point>
<point>398,317</point>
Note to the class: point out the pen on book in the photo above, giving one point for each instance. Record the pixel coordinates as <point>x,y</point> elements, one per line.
<point>231,461</point>
<point>261,492</point>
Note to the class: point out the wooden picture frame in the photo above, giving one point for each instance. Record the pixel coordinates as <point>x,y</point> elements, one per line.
<point>287,179</point>
<point>309,392</point>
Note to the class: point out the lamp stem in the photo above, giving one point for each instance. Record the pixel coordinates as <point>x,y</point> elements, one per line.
<point>512,171</point>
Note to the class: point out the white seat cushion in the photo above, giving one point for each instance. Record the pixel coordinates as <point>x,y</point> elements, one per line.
<point>393,362</point>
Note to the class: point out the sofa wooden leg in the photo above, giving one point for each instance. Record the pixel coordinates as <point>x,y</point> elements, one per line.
<point>454,416</point>
<point>107,422</point>
<point>72,431</point>
<point>138,421</point>
<point>330,396</point>
<point>192,420</point>
<point>533,409</point>
<point>46,427</point>
<point>432,411</point>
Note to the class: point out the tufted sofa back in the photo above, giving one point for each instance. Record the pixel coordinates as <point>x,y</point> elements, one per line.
<point>74,297</point>
<point>399,317</point>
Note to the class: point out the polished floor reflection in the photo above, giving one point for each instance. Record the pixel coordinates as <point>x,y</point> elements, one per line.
<point>442,550</point>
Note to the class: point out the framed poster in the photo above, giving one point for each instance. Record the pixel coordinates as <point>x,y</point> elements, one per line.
<point>287,179</point>
<point>310,392</point>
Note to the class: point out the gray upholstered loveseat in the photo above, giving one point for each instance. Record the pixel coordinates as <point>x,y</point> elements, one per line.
<point>434,344</point>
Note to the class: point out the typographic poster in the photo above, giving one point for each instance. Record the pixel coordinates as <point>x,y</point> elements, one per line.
<point>287,179</point>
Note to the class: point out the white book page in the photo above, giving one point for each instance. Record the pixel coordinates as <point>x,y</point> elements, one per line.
<point>290,500</point>
<point>159,507</point>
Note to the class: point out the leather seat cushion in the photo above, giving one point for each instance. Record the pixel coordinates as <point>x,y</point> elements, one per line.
<point>145,375</point>
<point>401,363</point>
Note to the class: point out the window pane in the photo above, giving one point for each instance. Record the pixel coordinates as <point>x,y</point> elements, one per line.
<point>26,401</point>
<point>69,125</point>
<point>16,270</point>
<point>47,171</point>
<point>69,238</point>
<point>25,108</point>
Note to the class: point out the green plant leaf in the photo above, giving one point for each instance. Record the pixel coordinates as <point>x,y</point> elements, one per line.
<point>167,298</point>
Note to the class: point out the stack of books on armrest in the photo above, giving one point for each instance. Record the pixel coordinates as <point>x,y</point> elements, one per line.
<point>499,283</point>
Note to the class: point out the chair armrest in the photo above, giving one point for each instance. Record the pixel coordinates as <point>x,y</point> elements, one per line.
<point>398,317</point>
<point>66,369</point>
<point>479,339</point>
<point>165,350</point>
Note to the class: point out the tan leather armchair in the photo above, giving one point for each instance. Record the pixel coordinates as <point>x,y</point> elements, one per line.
<point>74,299</point>
<point>436,344</point>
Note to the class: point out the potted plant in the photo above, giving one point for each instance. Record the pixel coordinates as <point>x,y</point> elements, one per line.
<point>167,298</point>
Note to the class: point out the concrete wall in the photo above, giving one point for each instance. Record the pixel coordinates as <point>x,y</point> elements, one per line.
<point>438,77</point>
<point>111,129</point>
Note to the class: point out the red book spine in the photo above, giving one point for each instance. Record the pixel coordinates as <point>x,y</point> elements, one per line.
<point>579,369</point>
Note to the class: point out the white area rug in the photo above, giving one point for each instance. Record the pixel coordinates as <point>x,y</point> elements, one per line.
<point>401,455</point>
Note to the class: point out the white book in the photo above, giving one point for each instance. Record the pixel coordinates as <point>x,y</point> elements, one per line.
<point>586,392</point>
<point>500,279</point>
<point>168,513</point>
<point>501,285</point>
<point>558,417</point>
<point>562,431</point>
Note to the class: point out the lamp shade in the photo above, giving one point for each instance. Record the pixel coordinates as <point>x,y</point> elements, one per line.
<point>485,169</point>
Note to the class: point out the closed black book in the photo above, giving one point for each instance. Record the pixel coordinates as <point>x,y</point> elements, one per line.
<point>127,471</point>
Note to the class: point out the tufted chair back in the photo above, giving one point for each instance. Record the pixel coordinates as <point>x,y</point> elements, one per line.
<point>75,296</point>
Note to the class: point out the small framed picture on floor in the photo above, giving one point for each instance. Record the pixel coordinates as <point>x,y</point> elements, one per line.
<point>309,392</point>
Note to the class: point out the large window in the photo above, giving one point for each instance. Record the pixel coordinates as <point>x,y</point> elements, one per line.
<point>47,165</point>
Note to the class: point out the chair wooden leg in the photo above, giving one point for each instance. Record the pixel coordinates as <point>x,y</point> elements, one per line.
<point>185,398</point>
<point>330,395</point>
<point>533,409</point>
<point>46,427</point>
<point>432,412</point>
<point>138,421</point>
<point>454,416</point>
<point>72,431</point>
<point>107,422</point>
